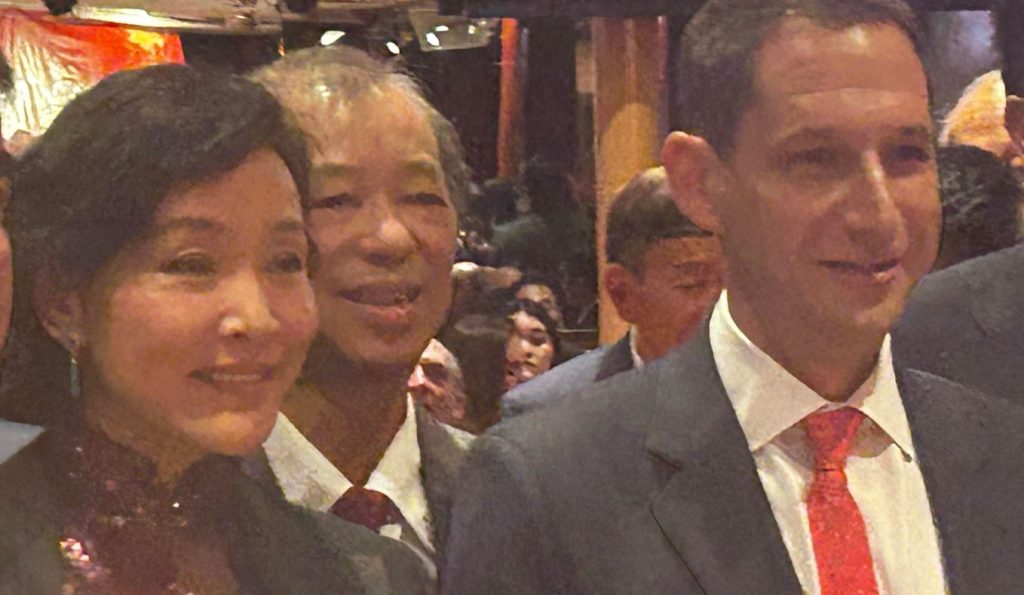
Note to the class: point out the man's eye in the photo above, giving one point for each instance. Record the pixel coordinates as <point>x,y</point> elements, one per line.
<point>912,153</point>
<point>817,157</point>
<point>695,286</point>
<point>426,199</point>
<point>337,201</point>
<point>289,262</point>
<point>195,265</point>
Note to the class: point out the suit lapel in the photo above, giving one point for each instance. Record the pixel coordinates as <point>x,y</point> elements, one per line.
<point>953,444</point>
<point>713,509</point>
<point>617,358</point>
<point>442,451</point>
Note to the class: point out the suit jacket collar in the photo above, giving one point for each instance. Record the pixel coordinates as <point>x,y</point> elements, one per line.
<point>713,508</point>
<point>951,436</point>
<point>616,359</point>
<point>442,450</point>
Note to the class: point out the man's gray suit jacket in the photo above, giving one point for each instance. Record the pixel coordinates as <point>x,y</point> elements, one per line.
<point>568,379</point>
<point>645,484</point>
<point>966,323</point>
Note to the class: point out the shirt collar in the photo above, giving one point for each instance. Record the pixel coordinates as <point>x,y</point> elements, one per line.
<point>638,362</point>
<point>310,480</point>
<point>768,400</point>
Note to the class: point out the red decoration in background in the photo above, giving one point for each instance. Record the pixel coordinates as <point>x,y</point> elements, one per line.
<point>53,61</point>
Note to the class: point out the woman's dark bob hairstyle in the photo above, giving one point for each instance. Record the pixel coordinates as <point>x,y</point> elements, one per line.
<point>94,181</point>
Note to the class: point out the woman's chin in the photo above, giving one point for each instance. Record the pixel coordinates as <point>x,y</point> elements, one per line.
<point>233,434</point>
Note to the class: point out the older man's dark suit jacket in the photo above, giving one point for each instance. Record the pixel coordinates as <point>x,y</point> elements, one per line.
<point>966,323</point>
<point>568,379</point>
<point>658,492</point>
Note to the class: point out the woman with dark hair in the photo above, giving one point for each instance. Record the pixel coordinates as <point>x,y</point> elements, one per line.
<point>162,309</point>
<point>498,351</point>
<point>532,345</point>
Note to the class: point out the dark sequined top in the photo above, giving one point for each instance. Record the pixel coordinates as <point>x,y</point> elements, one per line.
<point>80,514</point>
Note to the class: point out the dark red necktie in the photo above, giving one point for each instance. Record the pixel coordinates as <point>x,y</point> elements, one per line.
<point>368,508</point>
<point>837,527</point>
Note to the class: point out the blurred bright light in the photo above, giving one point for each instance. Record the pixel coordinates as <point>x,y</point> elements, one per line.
<point>329,37</point>
<point>441,28</point>
<point>393,48</point>
<point>433,40</point>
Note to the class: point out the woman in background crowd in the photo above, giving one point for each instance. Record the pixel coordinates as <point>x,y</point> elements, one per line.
<point>161,249</point>
<point>532,345</point>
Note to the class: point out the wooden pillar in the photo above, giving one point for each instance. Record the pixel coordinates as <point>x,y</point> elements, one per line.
<point>629,101</point>
<point>510,118</point>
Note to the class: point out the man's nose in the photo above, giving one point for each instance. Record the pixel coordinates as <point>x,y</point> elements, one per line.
<point>388,239</point>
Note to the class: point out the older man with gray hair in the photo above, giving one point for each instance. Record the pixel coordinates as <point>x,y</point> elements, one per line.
<point>387,176</point>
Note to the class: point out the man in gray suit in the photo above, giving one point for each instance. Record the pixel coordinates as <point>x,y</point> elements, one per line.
<point>663,273</point>
<point>781,450</point>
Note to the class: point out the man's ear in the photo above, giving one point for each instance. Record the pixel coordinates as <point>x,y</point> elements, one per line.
<point>1014,120</point>
<point>621,284</point>
<point>694,174</point>
<point>59,311</point>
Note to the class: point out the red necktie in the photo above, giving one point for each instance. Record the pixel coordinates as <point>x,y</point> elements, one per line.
<point>368,508</point>
<point>837,527</point>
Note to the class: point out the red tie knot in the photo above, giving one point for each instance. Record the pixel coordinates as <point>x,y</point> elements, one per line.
<point>369,508</point>
<point>830,436</point>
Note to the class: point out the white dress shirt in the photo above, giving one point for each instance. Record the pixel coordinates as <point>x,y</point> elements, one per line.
<point>310,480</point>
<point>638,362</point>
<point>882,470</point>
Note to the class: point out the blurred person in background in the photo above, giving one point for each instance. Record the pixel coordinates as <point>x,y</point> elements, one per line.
<point>543,290</point>
<point>163,300</point>
<point>13,435</point>
<point>663,274</point>
<point>981,204</point>
<point>555,229</point>
<point>531,348</point>
<point>387,181</point>
<point>438,383</point>
<point>500,349</point>
<point>966,322</point>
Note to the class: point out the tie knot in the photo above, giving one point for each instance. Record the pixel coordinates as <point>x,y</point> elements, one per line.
<point>369,508</point>
<point>830,435</point>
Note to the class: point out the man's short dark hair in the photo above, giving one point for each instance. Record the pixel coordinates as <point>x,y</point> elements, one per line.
<point>1009,20</point>
<point>717,56</point>
<point>981,204</point>
<point>642,214</point>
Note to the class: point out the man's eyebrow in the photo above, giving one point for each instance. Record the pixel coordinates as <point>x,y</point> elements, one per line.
<point>922,133</point>
<point>803,134</point>
<point>189,224</point>
<point>290,226</point>
<point>425,167</point>
<point>419,165</point>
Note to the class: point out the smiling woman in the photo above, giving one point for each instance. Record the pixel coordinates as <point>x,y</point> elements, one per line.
<point>159,231</point>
